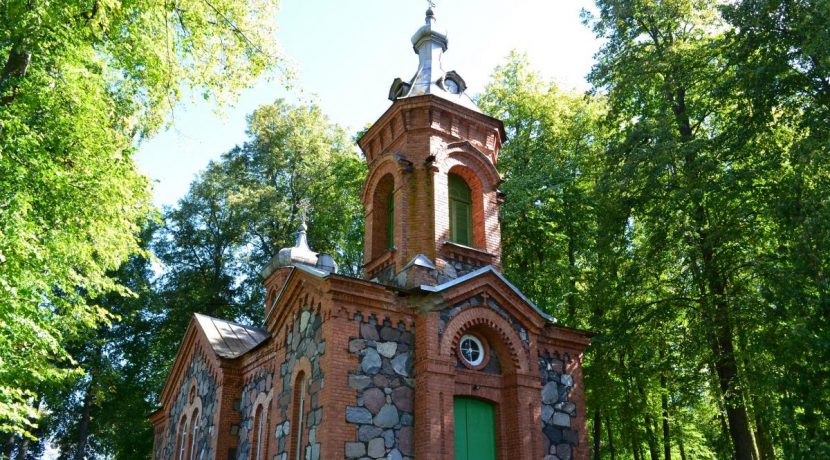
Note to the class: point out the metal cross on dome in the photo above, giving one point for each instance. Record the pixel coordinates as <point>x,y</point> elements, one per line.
<point>431,3</point>
<point>304,208</point>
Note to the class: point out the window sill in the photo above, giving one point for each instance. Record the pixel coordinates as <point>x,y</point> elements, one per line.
<point>379,263</point>
<point>466,253</point>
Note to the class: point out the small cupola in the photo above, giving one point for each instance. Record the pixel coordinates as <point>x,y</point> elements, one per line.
<point>300,253</point>
<point>429,43</point>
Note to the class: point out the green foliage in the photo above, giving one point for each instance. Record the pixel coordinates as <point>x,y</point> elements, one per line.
<point>687,224</point>
<point>103,412</point>
<point>781,55</point>
<point>549,166</point>
<point>81,81</point>
<point>244,208</point>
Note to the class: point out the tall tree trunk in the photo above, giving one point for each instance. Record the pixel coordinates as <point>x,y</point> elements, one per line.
<point>635,448</point>
<point>630,428</point>
<point>726,366</point>
<point>649,422</point>
<point>86,410</point>
<point>610,438</point>
<point>681,448</point>
<point>664,403</point>
<point>22,449</point>
<point>597,434</point>
<point>8,446</point>
<point>724,427</point>
<point>83,423</point>
<point>652,442</point>
<point>765,449</point>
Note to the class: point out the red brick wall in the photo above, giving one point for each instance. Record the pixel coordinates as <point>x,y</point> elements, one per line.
<point>418,141</point>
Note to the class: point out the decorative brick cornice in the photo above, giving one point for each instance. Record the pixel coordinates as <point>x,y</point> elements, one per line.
<point>564,338</point>
<point>493,286</point>
<point>430,112</point>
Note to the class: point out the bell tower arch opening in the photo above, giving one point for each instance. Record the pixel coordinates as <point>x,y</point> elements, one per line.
<point>383,216</point>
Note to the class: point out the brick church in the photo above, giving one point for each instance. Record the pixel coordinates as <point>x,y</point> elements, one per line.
<point>433,354</point>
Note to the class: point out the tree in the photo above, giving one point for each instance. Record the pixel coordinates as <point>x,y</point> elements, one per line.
<point>687,181</point>
<point>81,81</point>
<point>549,167</point>
<point>781,55</point>
<point>103,411</point>
<point>245,207</point>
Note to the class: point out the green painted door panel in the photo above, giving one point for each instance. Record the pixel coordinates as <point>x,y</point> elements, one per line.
<point>460,407</point>
<point>475,429</point>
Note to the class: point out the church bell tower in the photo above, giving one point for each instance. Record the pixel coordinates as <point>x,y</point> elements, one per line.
<point>431,196</point>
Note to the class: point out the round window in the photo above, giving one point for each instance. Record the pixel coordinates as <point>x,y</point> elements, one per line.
<point>472,350</point>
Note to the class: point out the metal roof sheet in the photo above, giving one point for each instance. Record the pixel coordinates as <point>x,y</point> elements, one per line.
<point>228,339</point>
<point>481,271</point>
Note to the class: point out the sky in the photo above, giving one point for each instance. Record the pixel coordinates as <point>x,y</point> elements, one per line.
<point>345,54</point>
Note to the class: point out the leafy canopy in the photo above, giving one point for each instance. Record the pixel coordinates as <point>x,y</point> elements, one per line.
<point>81,82</point>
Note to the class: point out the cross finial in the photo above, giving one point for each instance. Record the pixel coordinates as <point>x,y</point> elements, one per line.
<point>304,207</point>
<point>430,15</point>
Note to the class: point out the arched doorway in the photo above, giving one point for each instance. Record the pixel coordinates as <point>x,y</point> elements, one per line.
<point>475,429</point>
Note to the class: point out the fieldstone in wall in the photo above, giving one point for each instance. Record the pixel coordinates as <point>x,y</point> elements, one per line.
<point>305,339</point>
<point>383,383</point>
<point>456,268</point>
<point>206,387</point>
<point>557,411</point>
<point>262,383</point>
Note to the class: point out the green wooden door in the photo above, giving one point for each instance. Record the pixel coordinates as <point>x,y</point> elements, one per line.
<point>475,429</point>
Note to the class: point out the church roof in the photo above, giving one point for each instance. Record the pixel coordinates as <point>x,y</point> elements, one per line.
<point>230,340</point>
<point>481,272</point>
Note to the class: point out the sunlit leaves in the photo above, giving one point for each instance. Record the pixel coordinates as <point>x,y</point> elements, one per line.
<point>81,81</point>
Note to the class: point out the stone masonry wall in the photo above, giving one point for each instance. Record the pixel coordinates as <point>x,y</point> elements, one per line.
<point>558,412</point>
<point>304,340</point>
<point>206,391</point>
<point>462,267</point>
<point>384,383</point>
<point>158,445</point>
<point>262,383</point>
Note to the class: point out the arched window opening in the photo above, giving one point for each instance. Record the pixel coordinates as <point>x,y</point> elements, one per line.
<point>390,222</point>
<point>298,416</point>
<point>461,211</point>
<point>383,216</point>
<point>194,437</point>
<point>259,436</point>
<point>182,438</point>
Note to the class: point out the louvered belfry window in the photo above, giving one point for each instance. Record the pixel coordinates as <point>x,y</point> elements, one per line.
<point>461,211</point>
